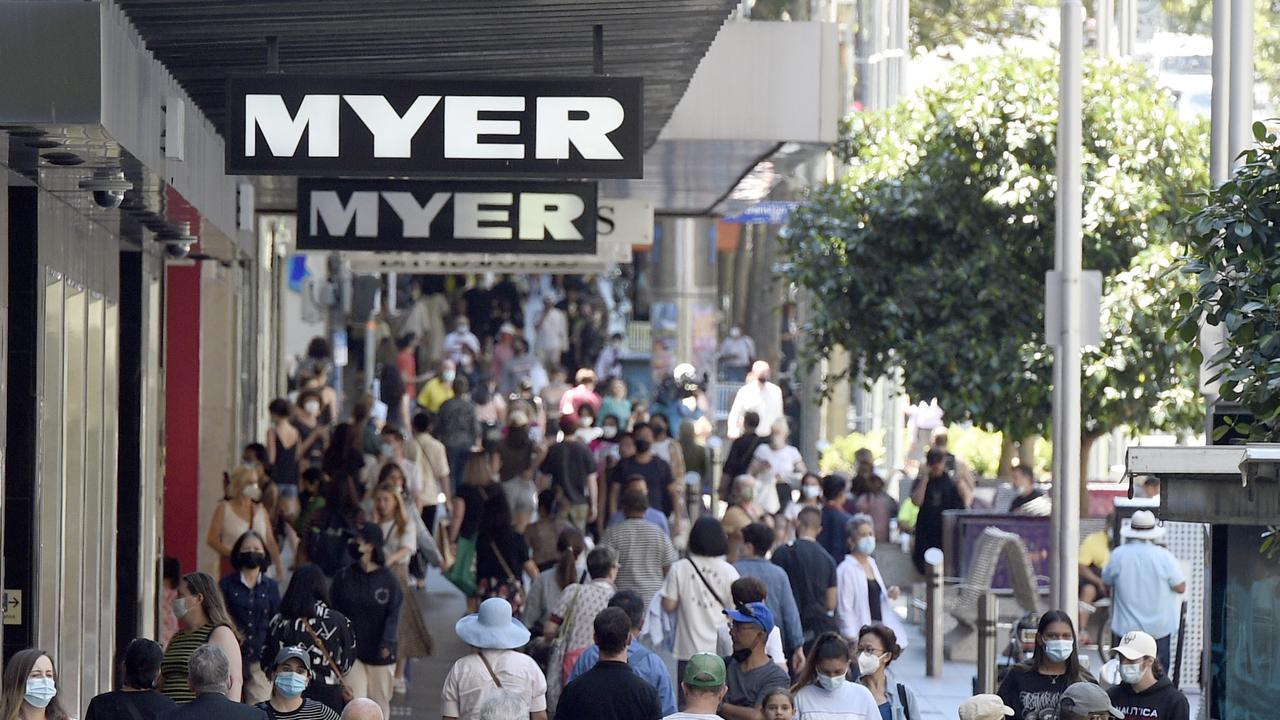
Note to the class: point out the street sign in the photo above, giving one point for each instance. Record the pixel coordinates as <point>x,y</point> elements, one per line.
<point>12,607</point>
<point>447,216</point>
<point>589,127</point>
<point>626,223</point>
<point>769,212</point>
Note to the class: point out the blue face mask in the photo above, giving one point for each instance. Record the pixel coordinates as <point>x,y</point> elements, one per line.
<point>40,692</point>
<point>1058,650</point>
<point>866,545</point>
<point>291,684</point>
<point>830,684</point>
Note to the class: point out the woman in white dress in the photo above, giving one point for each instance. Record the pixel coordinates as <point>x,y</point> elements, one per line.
<point>237,516</point>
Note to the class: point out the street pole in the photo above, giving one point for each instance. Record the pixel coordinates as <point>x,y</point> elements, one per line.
<point>1069,263</point>
<point>1105,17</point>
<point>1240,130</point>
<point>1220,101</point>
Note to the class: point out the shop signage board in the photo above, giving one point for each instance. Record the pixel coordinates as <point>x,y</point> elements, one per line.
<point>306,125</point>
<point>473,216</point>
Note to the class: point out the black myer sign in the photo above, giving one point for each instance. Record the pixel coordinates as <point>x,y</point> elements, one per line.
<point>447,216</point>
<point>589,127</point>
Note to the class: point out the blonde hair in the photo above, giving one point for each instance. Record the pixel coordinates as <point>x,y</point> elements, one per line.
<point>400,514</point>
<point>241,477</point>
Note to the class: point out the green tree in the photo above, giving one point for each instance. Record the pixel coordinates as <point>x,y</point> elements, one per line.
<point>1232,259</point>
<point>930,254</point>
<point>936,23</point>
<point>1196,17</point>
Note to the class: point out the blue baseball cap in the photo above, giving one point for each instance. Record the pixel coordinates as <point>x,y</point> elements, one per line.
<point>756,612</point>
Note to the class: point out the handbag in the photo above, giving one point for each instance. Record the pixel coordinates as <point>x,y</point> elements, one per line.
<point>515,580</point>
<point>702,577</point>
<point>347,694</point>
<point>462,573</point>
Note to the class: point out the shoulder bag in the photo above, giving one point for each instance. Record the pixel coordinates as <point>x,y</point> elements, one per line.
<point>347,694</point>
<point>703,578</point>
<point>493,675</point>
<point>906,707</point>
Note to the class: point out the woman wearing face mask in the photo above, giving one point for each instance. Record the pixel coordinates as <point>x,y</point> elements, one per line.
<point>306,620</point>
<point>252,600</point>
<point>370,596</point>
<point>30,688</point>
<point>878,647</point>
<point>615,403</point>
<point>780,462</point>
<point>666,448</point>
<point>397,526</point>
<point>588,432</point>
<point>1145,691</point>
<point>202,618</point>
<point>290,676</point>
<point>862,598</point>
<point>810,496</point>
<point>824,690</point>
<point>240,514</point>
<point>314,434</point>
<point>1033,688</point>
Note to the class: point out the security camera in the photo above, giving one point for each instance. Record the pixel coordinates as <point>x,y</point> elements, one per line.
<point>108,187</point>
<point>178,249</point>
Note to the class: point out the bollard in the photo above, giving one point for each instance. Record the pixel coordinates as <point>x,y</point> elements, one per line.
<point>988,613</point>
<point>933,618</point>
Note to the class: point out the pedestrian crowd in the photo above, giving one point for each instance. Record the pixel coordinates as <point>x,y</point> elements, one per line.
<point>581,523</point>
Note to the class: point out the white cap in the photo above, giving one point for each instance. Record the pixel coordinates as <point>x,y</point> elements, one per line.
<point>984,707</point>
<point>1137,645</point>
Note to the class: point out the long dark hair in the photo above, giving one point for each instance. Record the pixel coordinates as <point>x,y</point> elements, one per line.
<point>306,588</point>
<point>828,646</point>
<point>239,544</point>
<point>15,686</point>
<point>1075,673</point>
<point>570,545</point>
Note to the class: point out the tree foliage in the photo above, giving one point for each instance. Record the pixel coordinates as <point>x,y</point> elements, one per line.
<point>1196,16</point>
<point>1233,251</point>
<point>929,254</point>
<point>938,23</point>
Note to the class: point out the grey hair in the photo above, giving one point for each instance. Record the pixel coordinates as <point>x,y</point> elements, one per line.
<point>858,521</point>
<point>500,704</point>
<point>744,480</point>
<point>362,709</point>
<point>208,670</point>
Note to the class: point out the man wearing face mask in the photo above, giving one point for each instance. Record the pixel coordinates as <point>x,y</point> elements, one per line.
<point>757,394</point>
<point>461,340</point>
<point>1145,691</point>
<point>290,675</point>
<point>609,364</point>
<point>749,672</point>
<point>1029,499</point>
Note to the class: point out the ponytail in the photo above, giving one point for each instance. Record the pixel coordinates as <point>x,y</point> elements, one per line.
<point>570,545</point>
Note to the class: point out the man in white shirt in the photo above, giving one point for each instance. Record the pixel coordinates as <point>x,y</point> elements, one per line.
<point>461,339</point>
<point>552,336</point>
<point>493,636</point>
<point>760,395</point>
<point>704,688</point>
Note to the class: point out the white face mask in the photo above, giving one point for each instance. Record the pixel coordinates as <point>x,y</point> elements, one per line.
<point>40,691</point>
<point>252,491</point>
<point>312,407</point>
<point>179,607</point>
<point>868,663</point>
<point>811,491</point>
<point>1131,674</point>
<point>830,684</point>
<point>586,420</point>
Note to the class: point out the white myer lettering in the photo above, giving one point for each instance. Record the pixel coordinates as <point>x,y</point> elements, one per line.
<point>556,126</point>
<point>416,218</point>
<point>362,208</point>
<point>463,127</point>
<point>556,129</point>
<point>392,133</point>
<point>318,114</point>
<point>550,213</point>
<point>468,215</point>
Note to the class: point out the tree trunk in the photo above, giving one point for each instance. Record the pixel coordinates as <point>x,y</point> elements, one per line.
<point>1007,452</point>
<point>1027,451</point>
<point>1086,447</point>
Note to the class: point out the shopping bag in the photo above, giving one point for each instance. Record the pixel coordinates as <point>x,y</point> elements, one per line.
<point>463,571</point>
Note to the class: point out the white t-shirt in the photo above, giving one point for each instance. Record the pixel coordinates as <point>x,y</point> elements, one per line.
<point>691,716</point>
<point>782,462</point>
<point>851,702</point>
<point>468,679</point>
<point>699,614</point>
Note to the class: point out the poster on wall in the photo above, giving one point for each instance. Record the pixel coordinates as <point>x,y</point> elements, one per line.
<point>664,322</point>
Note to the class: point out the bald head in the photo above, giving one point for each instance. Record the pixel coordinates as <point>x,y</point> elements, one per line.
<point>362,709</point>
<point>760,370</point>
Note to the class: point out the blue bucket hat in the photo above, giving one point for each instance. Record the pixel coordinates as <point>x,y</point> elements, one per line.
<point>493,628</point>
<point>753,613</point>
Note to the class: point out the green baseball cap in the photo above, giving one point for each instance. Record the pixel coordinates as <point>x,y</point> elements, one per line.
<point>705,670</point>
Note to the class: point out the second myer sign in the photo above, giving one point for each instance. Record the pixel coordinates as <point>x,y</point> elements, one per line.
<point>306,125</point>
<point>447,216</point>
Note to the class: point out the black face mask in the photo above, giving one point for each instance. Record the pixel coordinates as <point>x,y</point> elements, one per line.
<point>642,446</point>
<point>252,559</point>
<point>741,656</point>
<point>354,550</point>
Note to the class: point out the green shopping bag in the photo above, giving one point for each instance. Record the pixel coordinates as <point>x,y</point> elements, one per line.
<point>462,573</point>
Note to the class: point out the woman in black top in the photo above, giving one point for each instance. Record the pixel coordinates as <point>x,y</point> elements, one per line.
<point>1033,688</point>
<point>137,699</point>
<point>306,620</point>
<point>501,555</point>
<point>478,486</point>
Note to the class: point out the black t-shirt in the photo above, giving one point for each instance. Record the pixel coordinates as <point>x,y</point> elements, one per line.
<point>657,477</point>
<point>1034,696</point>
<point>940,495</point>
<point>811,572</point>
<point>569,463</point>
<point>512,545</point>
<point>609,691</point>
<point>1161,701</point>
<point>474,499</point>
<point>1024,499</point>
<point>115,705</point>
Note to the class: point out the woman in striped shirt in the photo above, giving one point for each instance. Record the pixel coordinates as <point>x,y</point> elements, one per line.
<point>202,618</point>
